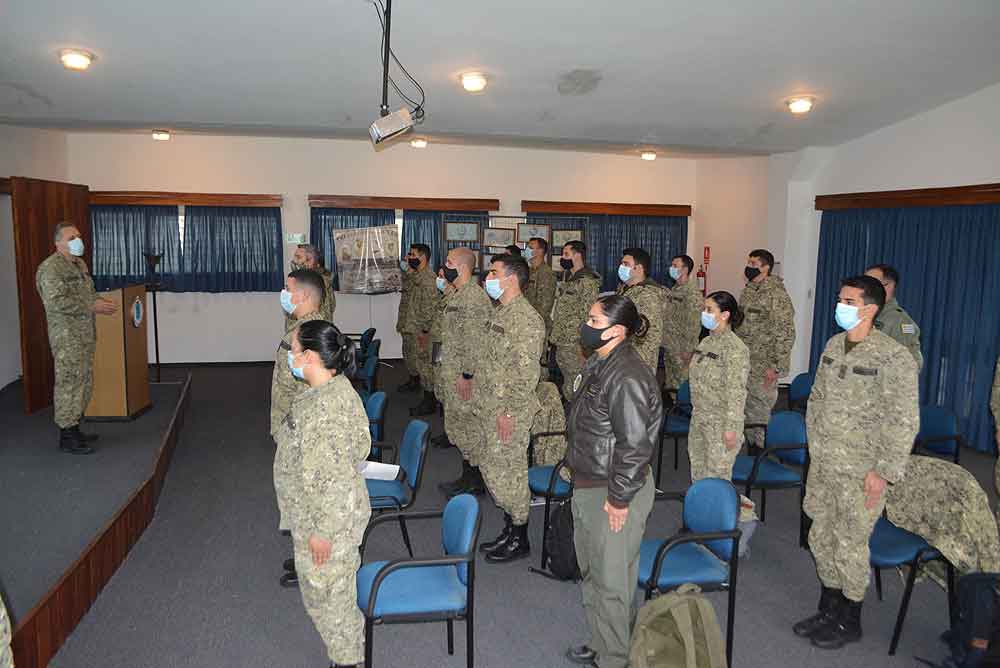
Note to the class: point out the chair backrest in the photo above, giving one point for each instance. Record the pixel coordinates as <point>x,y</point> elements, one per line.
<point>712,504</point>
<point>371,365</point>
<point>459,528</point>
<point>788,428</point>
<point>684,393</point>
<point>413,450</point>
<point>366,340</point>
<point>375,407</point>
<point>938,422</point>
<point>800,388</point>
<point>375,347</point>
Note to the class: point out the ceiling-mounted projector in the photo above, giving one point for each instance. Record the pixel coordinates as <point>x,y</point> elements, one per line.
<point>390,125</point>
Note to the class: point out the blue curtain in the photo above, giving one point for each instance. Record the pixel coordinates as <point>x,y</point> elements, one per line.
<point>423,227</point>
<point>232,249</point>
<point>947,258</point>
<point>123,233</point>
<point>324,220</point>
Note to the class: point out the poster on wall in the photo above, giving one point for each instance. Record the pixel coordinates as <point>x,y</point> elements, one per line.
<point>367,259</point>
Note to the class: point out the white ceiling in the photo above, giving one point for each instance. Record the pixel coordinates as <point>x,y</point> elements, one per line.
<point>684,74</point>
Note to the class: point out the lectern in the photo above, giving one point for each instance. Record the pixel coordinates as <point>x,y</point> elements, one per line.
<point>121,367</point>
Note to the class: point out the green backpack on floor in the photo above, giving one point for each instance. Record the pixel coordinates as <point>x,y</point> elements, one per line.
<point>677,630</point>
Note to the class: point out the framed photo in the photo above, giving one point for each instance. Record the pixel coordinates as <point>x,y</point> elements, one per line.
<point>497,236</point>
<point>562,237</point>
<point>468,232</point>
<point>527,230</point>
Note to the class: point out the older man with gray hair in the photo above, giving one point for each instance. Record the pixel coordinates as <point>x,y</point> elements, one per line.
<point>307,256</point>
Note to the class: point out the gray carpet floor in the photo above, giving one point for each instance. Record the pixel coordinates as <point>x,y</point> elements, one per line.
<point>201,587</point>
<point>53,504</point>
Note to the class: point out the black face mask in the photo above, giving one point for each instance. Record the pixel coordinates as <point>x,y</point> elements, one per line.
<point>565,264</point>
<point>751,272</point>
<point>413,262</point>
<point>590,337</point>
<point>450,274</point>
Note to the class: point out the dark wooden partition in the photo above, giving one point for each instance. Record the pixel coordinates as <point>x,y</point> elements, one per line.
<point>37,207</point>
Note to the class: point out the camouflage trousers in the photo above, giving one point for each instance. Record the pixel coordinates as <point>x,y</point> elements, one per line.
<point>282,473</point>
<point>549,449</point>
<point>570,363</point>
<point>425,369</point>
<point>462,427</point>
<point>505,465</point>
<point>710,458</point>
<point>330,594</point>
<point>674,373</point>
<point>760,402</point>
<point>6,660</point>
<point>410,354</point>
<point>840,531</point>
<point>74,379</point>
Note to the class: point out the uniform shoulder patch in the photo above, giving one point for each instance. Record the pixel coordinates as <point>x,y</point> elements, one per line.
<point>908,328</point>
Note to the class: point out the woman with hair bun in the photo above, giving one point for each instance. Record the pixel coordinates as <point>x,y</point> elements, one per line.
<point>326,434</point>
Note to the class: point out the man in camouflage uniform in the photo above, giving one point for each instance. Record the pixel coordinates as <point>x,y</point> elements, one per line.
<point>306,288</point>
<point>422,308</point>
<point>406,275</point>
<point>67,291</point>
<point>769,331</point>
<point>552,417</point>
<point>541,290</point>
<point>647,296</point>
<point>505,403</point>
<point>681,322</point>
<point>575,294</point>
<point>307,257</point>
<point>6,655</point>
<point>863,416</point>
<point>892,319</point>
<point>466,310</point>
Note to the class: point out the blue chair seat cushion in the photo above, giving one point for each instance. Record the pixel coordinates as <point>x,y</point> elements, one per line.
<point>769,472</point>
<point>891,546</point>
<point>687,562</point>
<point>538,482</point>
<point>412,591</point>
<point>677,424</point>
<point>393,489</point>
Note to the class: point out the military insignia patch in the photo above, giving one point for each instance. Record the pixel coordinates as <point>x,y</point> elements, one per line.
<point>577,381</point>
<point>908,328</point>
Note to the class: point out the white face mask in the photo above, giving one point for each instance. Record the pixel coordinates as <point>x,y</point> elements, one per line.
<point>528,253</point>
<point>76,247</point>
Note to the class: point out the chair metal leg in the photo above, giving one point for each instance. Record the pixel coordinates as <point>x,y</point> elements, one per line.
<point>451,637</point>
<point>910,579</point>
<point>951,595</point>
<point>731,613</point>
<point>659,462</point>
<point>406,535</point>
<point>677,447</point>
<point>368,643</point>
<point>763,505</point>
<point>545,534</point>
<point>878,582</point>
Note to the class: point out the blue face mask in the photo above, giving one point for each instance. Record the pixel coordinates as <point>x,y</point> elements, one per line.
<point>440,283</point>
<point>624,273</point>
<point>675,273</point>
<point>76,247</point>
<point>709,321</point>
<point>493,288</point>
<point>847,316</point>
<point>527,253</point>
<point>403,265</point>
<point>296,371</point>
<point>286,302</point>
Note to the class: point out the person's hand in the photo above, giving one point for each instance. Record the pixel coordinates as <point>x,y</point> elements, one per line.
<point>463,386</point>
<point>105,307</point>
<point>320,549</point>
<point>770,378</point>
<point>729,438</point>
<point>505,428</point>
<point>874,486</point>
<point>422,341</point>
<point>616,517</point>
<point>685,358</point>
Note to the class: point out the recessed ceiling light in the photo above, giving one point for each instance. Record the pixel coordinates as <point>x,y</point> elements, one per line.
<point>474,82</point>
<point>648,155</point>
<point>76,59</point>
<point>800,105</point>
<point>161,135</point>
<point>418,142</point>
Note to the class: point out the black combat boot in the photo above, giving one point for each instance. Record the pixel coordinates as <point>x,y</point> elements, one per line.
<point>456,486</point>
<point>844,629</point>
<point>289,580</point>
<point>442,441</point>
<point>72,442</point>
<point>502,538</point>
<point>516,547</point>
<point>476,486</point>
<point>86,437</point>
<point>829,603</point>
<point>427,405</point>
<point>411,385</point>
<point>289,565</point>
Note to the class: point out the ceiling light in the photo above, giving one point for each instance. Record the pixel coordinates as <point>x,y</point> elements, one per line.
<point>419,142</point>
<point>648,155</point>
<point>161,135</point>
<point>76,59</point>
<point>474,82</point>
<point>800,105</point>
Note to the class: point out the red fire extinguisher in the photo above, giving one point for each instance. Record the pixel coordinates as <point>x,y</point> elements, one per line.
<point>701,280</point>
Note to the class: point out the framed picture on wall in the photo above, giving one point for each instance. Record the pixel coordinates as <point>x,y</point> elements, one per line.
<point>468,232</point>
<point>526,231</point>
<point>497,236</point>
<point>562,237</point>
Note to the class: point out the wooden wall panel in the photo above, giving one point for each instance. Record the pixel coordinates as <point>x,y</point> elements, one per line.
<point>609,208</point>
<point>37,206</point>
<point>414,203</point>
<point>986,193</point>
<point>158,198</point>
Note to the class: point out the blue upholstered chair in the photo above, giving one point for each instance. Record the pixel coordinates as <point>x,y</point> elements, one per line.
<point>785,445</point>
<point>545,481</point>
<point>364,341</point>
<point>704,552</point>
<point>425,590</point>
<point>798,391</point>
<point>676,424</point>
<point>366,377</point>
<point>399,495</point>
<point>891,547</point>
<point>375,408</point>
<point>938,433</point>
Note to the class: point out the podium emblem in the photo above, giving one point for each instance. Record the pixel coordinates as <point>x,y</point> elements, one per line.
<point>137,312</point>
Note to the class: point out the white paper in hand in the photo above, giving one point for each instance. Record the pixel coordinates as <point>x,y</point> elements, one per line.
<point>378,471</point>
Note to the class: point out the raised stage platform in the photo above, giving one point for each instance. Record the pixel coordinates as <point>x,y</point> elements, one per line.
<point>67,521</point>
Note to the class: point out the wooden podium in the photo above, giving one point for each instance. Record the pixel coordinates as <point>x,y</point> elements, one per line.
<point>121,367</point>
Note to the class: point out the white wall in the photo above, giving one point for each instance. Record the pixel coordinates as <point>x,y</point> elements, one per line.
<point>23,152</point>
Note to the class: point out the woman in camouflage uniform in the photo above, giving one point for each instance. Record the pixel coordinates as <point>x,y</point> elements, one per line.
<point>326,433</point>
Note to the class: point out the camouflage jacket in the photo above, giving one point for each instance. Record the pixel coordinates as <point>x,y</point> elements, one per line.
<point>67,292</point>
<point>541,291</point>
<point>648,299</point>
<point>465,311</point>
<point>768,326</point>
<point>437,326</point>
<point>682,318</point>
<point>422,304</point>
<point>718,377</point>
<point>507,352</point>
<point>6,659</point>
<point>405,282</point>
<point>896,323</point>
<point>329,305</point>
<point>327,437</point>
<point>552,417</point>
<point>995,396</point>
<point>284,386</point>
<point>575,294</point>
<point>864,408</point>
